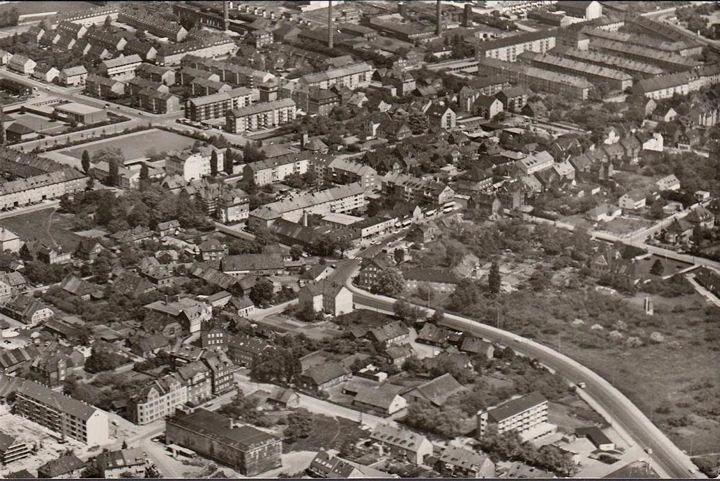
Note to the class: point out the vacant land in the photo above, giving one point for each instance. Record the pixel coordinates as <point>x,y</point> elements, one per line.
<point>327,433</point>
<point>46,226</point>
<point>137,145</point>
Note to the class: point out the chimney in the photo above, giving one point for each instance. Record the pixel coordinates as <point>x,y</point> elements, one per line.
<point>226,16</point>
<point>304,140</point>
<point>330,25</point>
<point>305,218</point>
<point>402,9</point>
<point>438,9</point>
<point>467,15</point>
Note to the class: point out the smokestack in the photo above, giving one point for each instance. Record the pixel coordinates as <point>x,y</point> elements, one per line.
<point>438,29</point>
<point>330,25</point>
<point>467,15</point>
<point>226,16</point>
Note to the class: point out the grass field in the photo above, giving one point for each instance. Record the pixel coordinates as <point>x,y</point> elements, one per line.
<point>44,225</point>
<point>137,145</point>
<point>327,433</point>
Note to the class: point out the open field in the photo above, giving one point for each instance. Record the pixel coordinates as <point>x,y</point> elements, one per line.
<point>136,145</point>
<point>327,433</point>
<point>44,225</point>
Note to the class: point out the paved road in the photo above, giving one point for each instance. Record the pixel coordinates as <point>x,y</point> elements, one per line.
<point>621,410</point>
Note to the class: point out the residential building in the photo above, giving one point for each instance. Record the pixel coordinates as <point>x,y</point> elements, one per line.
<point>665,60</point>
<point>197,379</point>
<point>537,78</point>
<point>343,170</point>
<point>158,400</point>
<point>535,162</point>
<point>391,334</point>
<point>27,309</point>
<point>67,466</point>
<point>221,371</point>
<point>22,64</point>
<point>384,399</point>
<point>156,26</point>
<point>402,443</point>
<point>526,415</point>
<point>276,169</point>
<point>104,87</point>
<point>193,165</point>
<point>586,10</point>
<point>327,296</point>
<point>9,241</point>
<point>244,350</point>
<point>614,79</point>
<point>508,48</point>
<point>121,68</point>
<point>172,54</point>
<point>145,50</point>
<point>323,376</point>
<point>632,201</point>
<point>216,106</point>
<point>62,414</point>
<point>243,448</point>
<point>669,182</point>
<point>121,464</point>
<point>190,313</point>
<point>617,62</point>
<point>257,264</point>
<point>45,72</point>
<point>154,73</point>
<point>12,450</point>
<point>345,198</point>
<point>436,391</point>
<point>441,116</point>
<point>260,116</point>
<point>73,76</point>
<point>90,16</point>
<point>352,76</point>
<point>457,462</point>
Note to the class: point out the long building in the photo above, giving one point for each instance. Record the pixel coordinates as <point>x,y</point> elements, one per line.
<point>62,414</point>
<point>345,198</point>
<point>670,33</point>
<point>665,86</point>
<point>216,106</point>
<point>156,26</point>
<point>521,415</point>
<point>244,448</point>
<point>665,60</point>
<point>539,79</point>
<point>268,171</point>
<point>508,48</point>
<point>594,73</point>
<point>36,179</point>
<point>357,75</point>
<point>172,54</point>
<point>676,47</point>
<point>633,67</point>
<point>90,16</point>
<point>263,115</point>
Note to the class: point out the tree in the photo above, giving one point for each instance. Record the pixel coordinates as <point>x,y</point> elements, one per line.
<point>494,281</point>
<point>252,153</point>
<point>438,315</point>
<point>228,161</point>
<point>656,210</point>
<point>399,255</point>
<point>425,291</point>
<point>213,164</point>
<point>113,173</point>
<point>103,360</point>
<point>108,21</point>
<point>406,311</point>
<point>262,292</point>
<point>144,172</point>
<point>390,282</point>
<point>296,251</point>
<point>85,161</point>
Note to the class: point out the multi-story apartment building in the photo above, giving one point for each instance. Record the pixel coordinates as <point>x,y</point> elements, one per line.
<point>539,79</point>
<point>666,60</point>
<point>345,198</point>
<point>633,67</point>
<point>73,76</point>
<point>163,75</point>
<point>615,79</point>
<point>197,378</point>
<point>156,26</point>
<point>231,73</point>
<point>118,464</point>
<point>357,75</point>
<point>414,189</point>
<point>12,450</point>
<point>158,400</point>
<point>665,86</point>
<point>221,371</point>
<point>223,201</point>
<point>244,448</point>
<point>273,170</point>
<point>343,170</point>
<point>91,16</point>
<point>665,30</point>
<point>520,415</point>
<point>260,116</point>
<point>216,106</point>
<point>676,47</point>
<point>62,414</point>
<point>121,68</point>
<point>104,87</point>
<point>212,47</point>
<point>508,48</point>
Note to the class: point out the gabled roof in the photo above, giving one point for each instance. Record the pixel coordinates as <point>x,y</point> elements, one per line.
<point>379,397</point>
<point>399,437</point>
<point>438,390</point>
<point>323,373</point>
<point>65,464</point>
<point>389,331</point>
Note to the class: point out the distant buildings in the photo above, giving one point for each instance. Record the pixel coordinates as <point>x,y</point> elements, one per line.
<point>244,448</point>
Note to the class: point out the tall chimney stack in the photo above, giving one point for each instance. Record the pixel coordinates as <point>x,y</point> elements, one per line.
<point>438,28</point>
<point>226,16</point>
<point>330,25</point>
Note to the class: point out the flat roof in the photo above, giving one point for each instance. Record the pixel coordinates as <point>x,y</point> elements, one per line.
<point>76,108</point>
<point>343,219</point>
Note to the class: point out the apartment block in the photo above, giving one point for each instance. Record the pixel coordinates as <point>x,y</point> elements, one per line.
<point>158,400</point>
<point>216,106</point>
<point>526,415</point>
<point>594,73</point>
<point>508,48</point>
<point>353,76</point>
<point>260,116</point>
<point>273,170</point>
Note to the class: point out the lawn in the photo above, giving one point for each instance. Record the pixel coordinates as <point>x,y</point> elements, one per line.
<point>634,182</point>
<point>46,226</point>
<point>624,225</point>
<point>137,145</point>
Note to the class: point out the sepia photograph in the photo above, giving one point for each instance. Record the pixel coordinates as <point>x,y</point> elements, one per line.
<point>360,239</point>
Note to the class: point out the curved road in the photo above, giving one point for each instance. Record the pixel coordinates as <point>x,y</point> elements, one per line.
<point>622,411</point>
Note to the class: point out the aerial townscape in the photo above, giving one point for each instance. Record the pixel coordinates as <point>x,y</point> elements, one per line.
<point>375,239</point>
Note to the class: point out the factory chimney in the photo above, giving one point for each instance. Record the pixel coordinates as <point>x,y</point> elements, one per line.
<point>330,25</point>
<point>226,16</point>
<point>438,28</point>
<point>467,15</point>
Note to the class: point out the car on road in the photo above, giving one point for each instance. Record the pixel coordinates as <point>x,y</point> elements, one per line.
<point>649,450</point>
<point>582,385</point>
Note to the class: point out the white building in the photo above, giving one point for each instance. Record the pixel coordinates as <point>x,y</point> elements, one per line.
<point>193,165</point>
